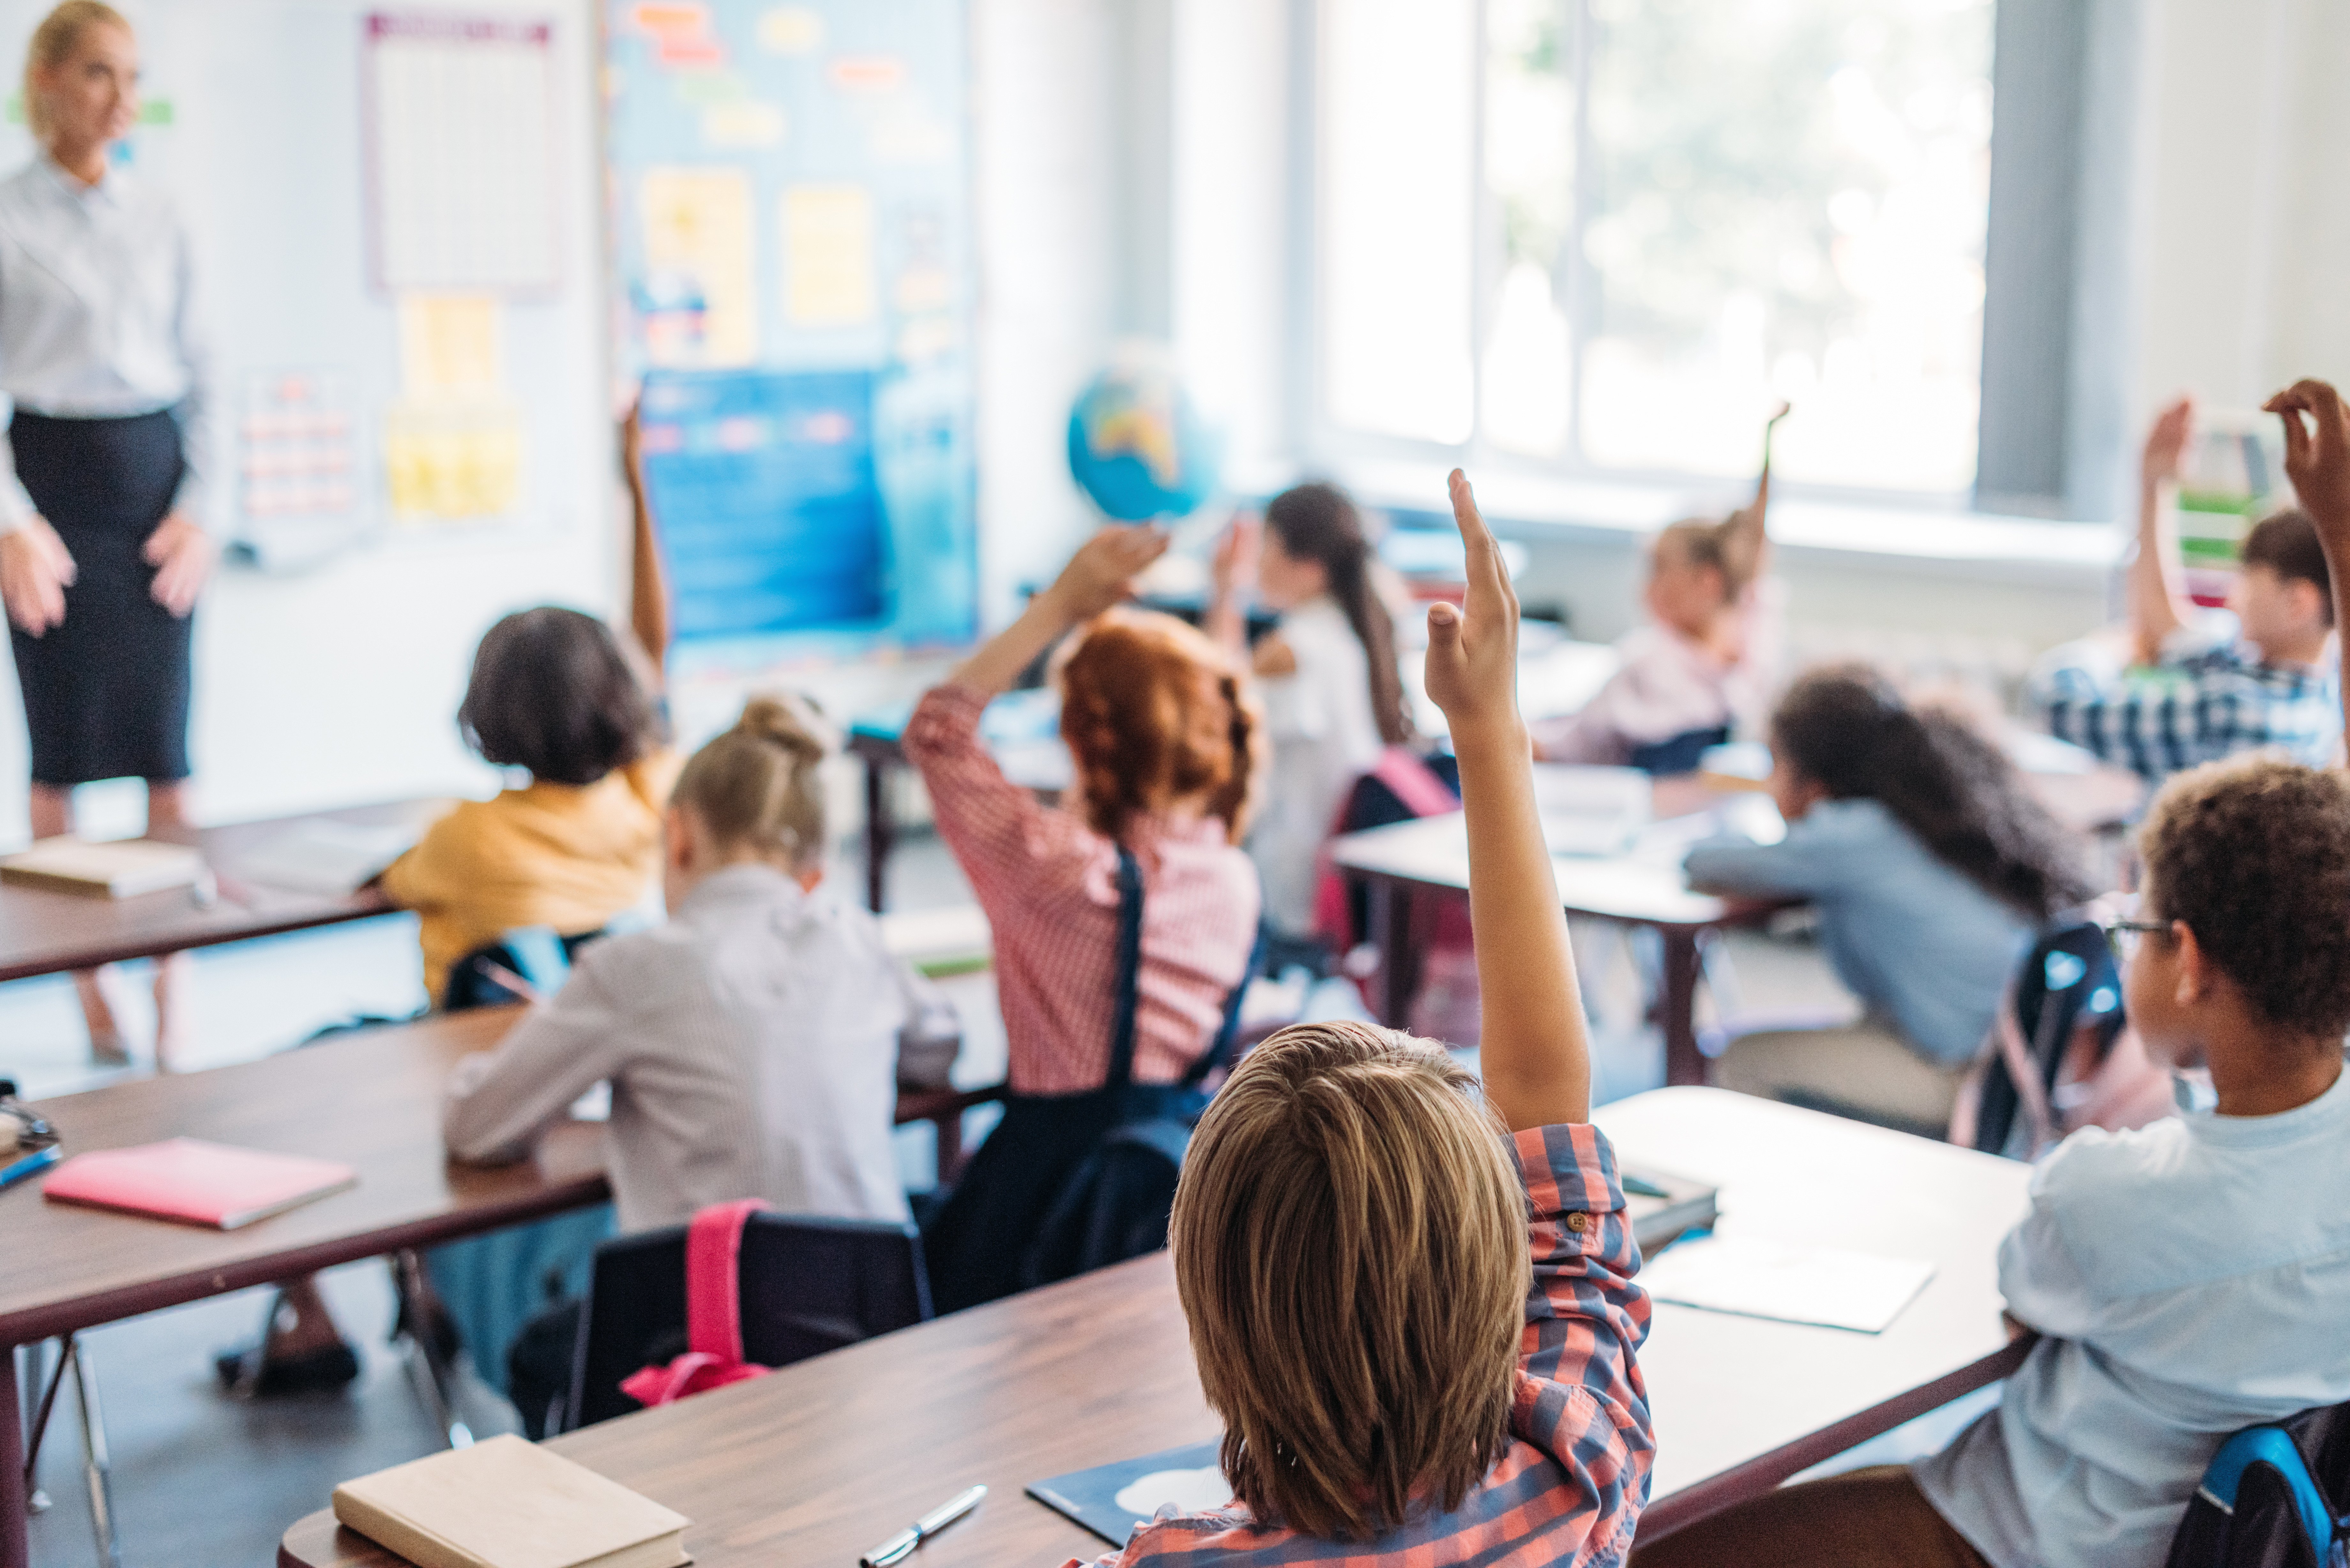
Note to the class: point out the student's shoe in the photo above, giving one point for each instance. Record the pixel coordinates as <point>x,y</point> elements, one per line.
<point>249,1373</point>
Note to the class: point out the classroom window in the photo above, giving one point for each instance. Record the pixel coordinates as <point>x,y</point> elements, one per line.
<point>1604,235</point>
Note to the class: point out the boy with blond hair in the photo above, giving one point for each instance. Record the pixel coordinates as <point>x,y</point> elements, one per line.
<point>1411,1296</point>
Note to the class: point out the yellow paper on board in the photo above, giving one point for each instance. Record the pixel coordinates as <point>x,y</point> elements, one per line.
<point>828,255</point>
<point>698,239</point>
<point>453,461</point>
<point>450,345</point>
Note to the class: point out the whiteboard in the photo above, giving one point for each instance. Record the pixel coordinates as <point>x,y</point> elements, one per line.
<point>337,681</point>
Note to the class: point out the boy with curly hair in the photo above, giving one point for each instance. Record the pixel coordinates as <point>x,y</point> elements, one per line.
<point>2186,1280</point>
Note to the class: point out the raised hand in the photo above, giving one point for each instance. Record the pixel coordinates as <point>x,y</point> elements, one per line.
<point>1102,572</point>
<point>36,570</point>
<point>181,554</point>
<point>2317,457</point>
<point>1237,549</point>
<point>1472,651</point>
<point>2166,443</point>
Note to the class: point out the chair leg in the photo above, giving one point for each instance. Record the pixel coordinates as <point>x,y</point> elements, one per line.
<point>34,1377</point>
<point>95,1465</point>
<point>435,1378</point>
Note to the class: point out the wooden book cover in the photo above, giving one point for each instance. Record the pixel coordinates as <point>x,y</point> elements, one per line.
<point>123,869</point>
<point>508,1503</point>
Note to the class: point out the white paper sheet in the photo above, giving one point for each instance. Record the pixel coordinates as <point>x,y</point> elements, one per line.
<point>1757,1278</point>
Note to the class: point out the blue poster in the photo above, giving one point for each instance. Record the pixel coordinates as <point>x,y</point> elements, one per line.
<point>791,196</point>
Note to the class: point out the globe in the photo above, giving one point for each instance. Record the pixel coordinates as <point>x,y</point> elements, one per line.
<point>1138,448</point>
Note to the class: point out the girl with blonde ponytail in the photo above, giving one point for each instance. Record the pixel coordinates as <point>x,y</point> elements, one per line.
<point>752,1042</point>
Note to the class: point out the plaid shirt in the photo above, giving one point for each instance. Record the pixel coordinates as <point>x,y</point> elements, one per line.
<point>1569,1490</point>
<point>1049,886</point>
<point>2205,700</point>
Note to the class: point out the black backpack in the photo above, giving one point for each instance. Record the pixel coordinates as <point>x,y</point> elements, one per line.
<point>2272,1498</point>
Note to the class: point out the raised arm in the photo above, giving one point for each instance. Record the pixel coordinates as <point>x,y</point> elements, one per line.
<point>1098,575</point>
<point>1234,571</point>
<point>1536,1057</point>
<point>1748,539</point>
<point>647,579</point>
<point>2157,591</point>
<point>2317,461</point>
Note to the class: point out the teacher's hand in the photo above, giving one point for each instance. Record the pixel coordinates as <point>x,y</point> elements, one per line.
<point>36,570</point>
<point>181,554</point>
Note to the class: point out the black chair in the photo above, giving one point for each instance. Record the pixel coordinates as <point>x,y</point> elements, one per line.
<point>808,1285</point>
<point>2068,979</point>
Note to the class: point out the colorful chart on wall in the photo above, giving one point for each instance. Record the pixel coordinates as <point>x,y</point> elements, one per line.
<point>792,194</point>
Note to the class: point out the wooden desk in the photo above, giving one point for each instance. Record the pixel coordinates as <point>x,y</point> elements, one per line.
<point>824,1459</point>
<point>372,1100</point>
<point>44,932</point>
<point>1643,887</point>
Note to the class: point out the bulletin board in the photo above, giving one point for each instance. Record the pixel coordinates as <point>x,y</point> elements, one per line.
<point>792,219</point>
<point>395,216</point>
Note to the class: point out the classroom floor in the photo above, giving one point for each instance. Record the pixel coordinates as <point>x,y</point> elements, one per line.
<point>201,1479</point>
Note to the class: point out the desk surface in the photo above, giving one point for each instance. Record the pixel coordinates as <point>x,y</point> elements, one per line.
<point>371,1100</point>
<point>824,1459</point>
<point>44,932</point>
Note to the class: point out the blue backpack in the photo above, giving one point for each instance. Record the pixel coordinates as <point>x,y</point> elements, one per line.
<point>2269,1498</point>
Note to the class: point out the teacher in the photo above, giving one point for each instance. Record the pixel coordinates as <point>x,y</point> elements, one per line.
<point>102,552</point>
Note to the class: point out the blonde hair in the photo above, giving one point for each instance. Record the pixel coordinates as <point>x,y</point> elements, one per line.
<point>1730,546</point>
<point>53,43</point>
<point>760,785</point>
<point>1155,713</point>
<point>1350,1245</point>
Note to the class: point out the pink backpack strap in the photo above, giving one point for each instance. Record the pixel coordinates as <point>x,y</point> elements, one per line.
<point>1414,783</point>
<point>713,1294</point>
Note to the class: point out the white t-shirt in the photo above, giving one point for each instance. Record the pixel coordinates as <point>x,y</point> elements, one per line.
<point>1323,737</point>
<point>2190,1279</point>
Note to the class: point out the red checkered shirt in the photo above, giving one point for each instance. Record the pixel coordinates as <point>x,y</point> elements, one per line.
<point>1569,1491</point>
<point>1049,886</point>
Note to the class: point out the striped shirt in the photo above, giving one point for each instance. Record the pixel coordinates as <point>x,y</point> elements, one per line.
<point>2208,699</point>
<point>1048,884</point>
<point>1570,1487</point>
<point>751,1046</point>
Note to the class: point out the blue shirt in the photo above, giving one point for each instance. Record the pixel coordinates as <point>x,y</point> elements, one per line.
<point>1925,947</point>
<point>2190,1279</point>
<point>2212,696</point>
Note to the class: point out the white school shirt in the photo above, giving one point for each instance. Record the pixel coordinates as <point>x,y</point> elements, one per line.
<point>751,1047</point>
<point>1324,735</point>
<point>2191,1279</point>
<point>98,316</point>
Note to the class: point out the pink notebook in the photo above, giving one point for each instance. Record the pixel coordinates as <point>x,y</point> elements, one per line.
<point>196,1182</point>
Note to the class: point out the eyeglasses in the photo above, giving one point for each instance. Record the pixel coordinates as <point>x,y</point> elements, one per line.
<point>2123,936</point>
<point>31,1131</point>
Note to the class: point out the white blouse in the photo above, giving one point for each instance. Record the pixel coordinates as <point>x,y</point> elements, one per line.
<point>97,311</point>
<point>1325,735</point>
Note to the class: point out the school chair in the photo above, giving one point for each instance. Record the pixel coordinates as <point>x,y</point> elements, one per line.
<point>807,1285</point>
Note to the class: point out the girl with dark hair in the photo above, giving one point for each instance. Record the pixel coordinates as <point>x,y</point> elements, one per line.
<point>1333,694</point>
<point>1931,865</point>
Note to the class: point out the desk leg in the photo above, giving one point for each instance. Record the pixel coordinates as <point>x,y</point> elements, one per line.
<point>880,833</point>
<point>1390,915</point>
<point>1676,1007</point>
<point>15,1547</point>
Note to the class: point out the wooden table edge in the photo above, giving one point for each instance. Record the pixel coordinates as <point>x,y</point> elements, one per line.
<point>1726,1489</point>
<point>153,1295</point>
<point>364,907</point>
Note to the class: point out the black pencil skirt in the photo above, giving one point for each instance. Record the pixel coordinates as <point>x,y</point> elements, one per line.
<point>106,693</point>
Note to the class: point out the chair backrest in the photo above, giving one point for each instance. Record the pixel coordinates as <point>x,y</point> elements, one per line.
<point>536,954</point>
<point>2273,1497</point>
<point>2067,982</point>
<point>808,1285</point>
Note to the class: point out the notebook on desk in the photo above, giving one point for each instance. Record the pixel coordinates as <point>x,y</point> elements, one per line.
<point>1111,1500</point>
<point>122,868</point>
<point>508,1503</point>
<point>194,1182</point>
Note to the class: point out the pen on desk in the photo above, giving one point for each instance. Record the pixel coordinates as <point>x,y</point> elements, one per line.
<point>901,1546</point>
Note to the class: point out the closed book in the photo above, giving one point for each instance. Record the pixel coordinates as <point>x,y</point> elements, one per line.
<point>1662,1206</point>
<point>123,869</point>
<point>195,1182</point>
<point>508,1503</point>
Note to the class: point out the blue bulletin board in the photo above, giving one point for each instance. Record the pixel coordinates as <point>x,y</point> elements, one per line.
<point>792,209</point>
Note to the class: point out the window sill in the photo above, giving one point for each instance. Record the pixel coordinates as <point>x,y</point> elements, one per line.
<point>1917,539</point>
